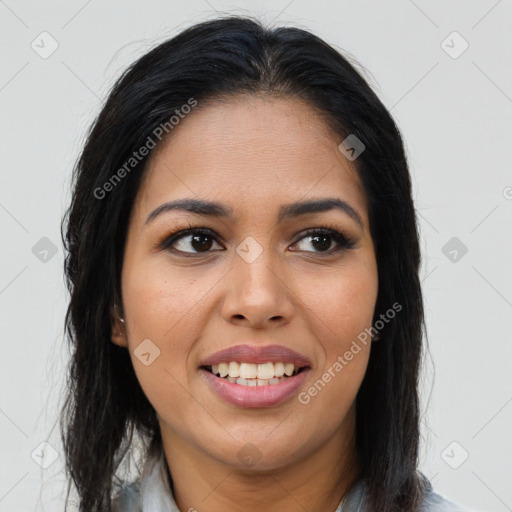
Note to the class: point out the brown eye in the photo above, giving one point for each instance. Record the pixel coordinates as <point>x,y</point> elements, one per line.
<point>321,239</point>
<point>190,241</point>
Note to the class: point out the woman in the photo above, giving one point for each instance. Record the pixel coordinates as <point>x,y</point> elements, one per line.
<point>243,266</point>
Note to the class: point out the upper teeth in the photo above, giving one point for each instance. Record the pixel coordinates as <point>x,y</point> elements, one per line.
<point>252,370</point>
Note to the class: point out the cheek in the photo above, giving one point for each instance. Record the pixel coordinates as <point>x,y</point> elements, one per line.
<point>343,313</point>
<point>344,309</point>
<point>161,306</point>
<point>345,303</point>
<point>162,301</point>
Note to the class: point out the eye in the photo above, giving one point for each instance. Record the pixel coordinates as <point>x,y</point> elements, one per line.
<point>323,238</point>
<point>191,241</point>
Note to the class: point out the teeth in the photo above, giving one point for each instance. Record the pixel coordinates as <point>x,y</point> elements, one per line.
<point>223,369</point>
<point>266,371</point>
<point>288,369</point>
<point>233,369</point>
<point>248,370</point>
<point>278,369</point>
<point>256,382</point>
<point>251,374</point>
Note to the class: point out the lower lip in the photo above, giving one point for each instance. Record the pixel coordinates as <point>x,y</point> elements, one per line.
<point>255,396</point>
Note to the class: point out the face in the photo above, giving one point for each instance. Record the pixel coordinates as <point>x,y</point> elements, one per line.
<point>263,273</point>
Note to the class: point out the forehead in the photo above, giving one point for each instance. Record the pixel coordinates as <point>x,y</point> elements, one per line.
<point>251,153</point>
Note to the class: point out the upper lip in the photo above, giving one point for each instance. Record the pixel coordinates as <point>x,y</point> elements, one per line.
<point>258,354</point>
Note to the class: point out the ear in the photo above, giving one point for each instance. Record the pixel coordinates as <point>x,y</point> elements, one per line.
<point>118,330</point>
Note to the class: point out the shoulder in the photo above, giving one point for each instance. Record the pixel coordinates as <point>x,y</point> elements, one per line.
<point>128,499</point>
<point>433,501</point>
<point>436,502</point>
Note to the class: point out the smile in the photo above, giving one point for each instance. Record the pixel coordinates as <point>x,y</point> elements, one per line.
<point>251,374</point>
<point>250,392</point>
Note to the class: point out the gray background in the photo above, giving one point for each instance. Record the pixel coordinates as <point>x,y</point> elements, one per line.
<point>455,114</point>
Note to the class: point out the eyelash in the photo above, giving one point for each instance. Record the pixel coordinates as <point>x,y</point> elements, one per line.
<point>344,242</point>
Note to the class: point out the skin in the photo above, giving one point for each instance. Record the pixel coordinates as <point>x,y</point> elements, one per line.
<point>253,154</point>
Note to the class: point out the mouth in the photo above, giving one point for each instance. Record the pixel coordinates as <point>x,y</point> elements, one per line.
<point>252,374</point>
<point>252,391</point>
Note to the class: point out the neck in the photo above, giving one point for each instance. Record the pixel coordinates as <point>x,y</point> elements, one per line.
<point>317,482</point>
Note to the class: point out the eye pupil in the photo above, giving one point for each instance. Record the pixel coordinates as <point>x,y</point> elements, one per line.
<point>201,242</point>
<point>326,239</point>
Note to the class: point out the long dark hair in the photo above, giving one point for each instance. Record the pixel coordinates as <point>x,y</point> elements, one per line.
<point>105,405</point>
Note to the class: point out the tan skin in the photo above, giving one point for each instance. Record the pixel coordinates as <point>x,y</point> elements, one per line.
<point>253,154</point>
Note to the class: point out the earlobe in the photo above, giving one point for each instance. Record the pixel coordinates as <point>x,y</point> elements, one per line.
<point>118,338</point>
<point>118,331</point>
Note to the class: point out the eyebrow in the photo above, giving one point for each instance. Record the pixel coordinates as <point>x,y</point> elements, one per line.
<point>214,209</point>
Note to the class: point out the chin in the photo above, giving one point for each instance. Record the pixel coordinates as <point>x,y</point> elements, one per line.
<point>260,455</point>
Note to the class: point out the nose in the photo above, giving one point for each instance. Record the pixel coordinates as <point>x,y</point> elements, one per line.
<point>258,294</point>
